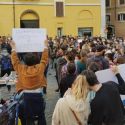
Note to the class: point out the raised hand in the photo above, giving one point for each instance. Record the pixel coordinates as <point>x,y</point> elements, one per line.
<point>13,45</point>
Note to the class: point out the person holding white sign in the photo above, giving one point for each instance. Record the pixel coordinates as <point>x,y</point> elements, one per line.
<point>30,81</point>
<point>30,75</point>
<point>106,107</point>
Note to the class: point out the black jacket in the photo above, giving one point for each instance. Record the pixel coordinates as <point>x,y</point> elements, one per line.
<point>66,82</point>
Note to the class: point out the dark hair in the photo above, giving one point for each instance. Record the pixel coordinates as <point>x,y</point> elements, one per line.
<point>93,49</point>
<point>110,56</point>
<point>100,48</point>
<point>90,77</point>
<point>71,68</point>
<point>70,56</point>
<point>31,59</point>
<point>94,67</point>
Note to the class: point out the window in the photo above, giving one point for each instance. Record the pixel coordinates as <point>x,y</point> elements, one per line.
<point>108,18</point>
<point>107,3</point>
<point>59,9</point>
<point>121,17</point>
<point>29,23</point>
<point>85,31</point>
<point>121,2</point>
<point>59,31</point>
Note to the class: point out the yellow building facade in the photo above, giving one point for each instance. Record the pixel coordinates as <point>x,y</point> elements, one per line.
<point>80,17</point>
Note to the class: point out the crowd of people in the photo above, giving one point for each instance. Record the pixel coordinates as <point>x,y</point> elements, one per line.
<point>83,99</point>
<point>76,61</point>
<point>5,51</point>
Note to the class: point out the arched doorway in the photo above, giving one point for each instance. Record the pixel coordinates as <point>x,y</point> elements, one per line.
<point>29,19</point>
<point>110,31</point>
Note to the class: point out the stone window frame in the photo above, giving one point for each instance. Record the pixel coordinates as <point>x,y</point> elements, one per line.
<point>55,1</point>
<point>121,18</point>
<point>109,4</point>
<point>108,14</point>
<point>121,4</point>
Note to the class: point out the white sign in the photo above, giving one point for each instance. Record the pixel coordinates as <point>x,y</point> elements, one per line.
<point>107,75</point>
<point>29,40</point>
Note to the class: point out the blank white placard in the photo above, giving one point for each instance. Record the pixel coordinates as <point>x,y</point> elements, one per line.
<point>29,40</point>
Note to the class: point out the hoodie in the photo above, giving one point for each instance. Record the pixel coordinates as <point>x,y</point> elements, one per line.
<point>63,115</point>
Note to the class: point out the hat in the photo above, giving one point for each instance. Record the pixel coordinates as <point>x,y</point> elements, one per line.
<point>99,48</point>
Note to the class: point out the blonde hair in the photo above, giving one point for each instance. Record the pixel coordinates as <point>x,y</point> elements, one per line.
<point>80,87</point>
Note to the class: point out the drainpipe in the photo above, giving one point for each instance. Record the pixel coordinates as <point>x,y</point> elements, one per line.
<point>115,10</point>
<point>14,13</point>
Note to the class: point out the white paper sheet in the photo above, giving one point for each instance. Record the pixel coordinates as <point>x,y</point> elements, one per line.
<point>29,40</point>
<point>107,75</point>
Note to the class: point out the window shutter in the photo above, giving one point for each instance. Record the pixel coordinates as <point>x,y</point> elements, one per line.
<point>122,1</point>
<point>107,3</point>
<point>59,9</point>
<point>124,16</point>
<point>118,17</point>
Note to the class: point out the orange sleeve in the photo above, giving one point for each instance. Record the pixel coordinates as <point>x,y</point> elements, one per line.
<point>15,61</point>
<point>44,59</point>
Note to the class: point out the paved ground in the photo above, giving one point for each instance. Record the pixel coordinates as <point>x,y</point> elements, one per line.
<point>51,97</point>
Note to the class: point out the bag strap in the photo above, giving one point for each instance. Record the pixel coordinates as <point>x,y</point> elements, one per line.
<point>77,119</point>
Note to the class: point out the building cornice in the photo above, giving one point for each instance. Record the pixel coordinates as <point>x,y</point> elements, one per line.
<point>26,3</point>
<point>47,4</point>
<point>76,4</point>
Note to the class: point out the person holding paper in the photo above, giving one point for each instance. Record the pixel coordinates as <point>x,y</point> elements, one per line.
<point>106,107</point>
<point>30,81</point>
<point>30,75</point>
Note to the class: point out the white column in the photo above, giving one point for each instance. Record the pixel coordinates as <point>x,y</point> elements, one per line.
<point>103,18</point>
